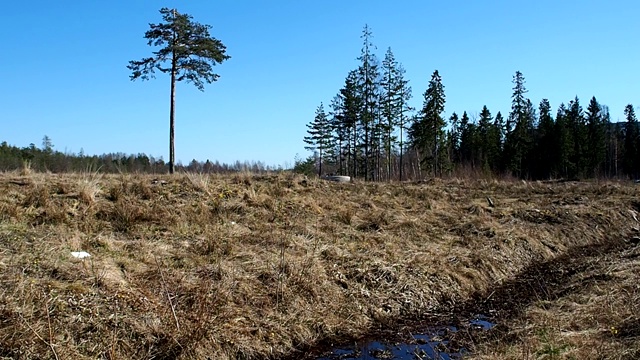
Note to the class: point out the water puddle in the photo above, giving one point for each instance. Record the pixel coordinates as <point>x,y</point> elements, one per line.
<point>430,344</point>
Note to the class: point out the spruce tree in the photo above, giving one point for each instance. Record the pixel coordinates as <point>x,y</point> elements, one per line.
<point>529,151</point>
<point>467,142</point>
<point>351,109</point>
<point>395,95</point>
<point>545,141</point>
<point>404,110</point>
<point>612,134</point>
<point>319,138</point>
<point>563,144</point>
<point>596,138</point>
<point>340,132</point>
<point>576,125</point>
<point>499,136</point>
<point>389,104</point>
<point>454,138</point>
<point>428,132</point>
<point>631,162</point>
<point>494,143</point>
<point>368,87</point>
<point>519,128</point>
<point>484,151</point>
<point>191,53</point>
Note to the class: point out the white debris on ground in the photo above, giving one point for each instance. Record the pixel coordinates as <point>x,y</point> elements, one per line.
<point>337,178</point>
<point>80,254</point>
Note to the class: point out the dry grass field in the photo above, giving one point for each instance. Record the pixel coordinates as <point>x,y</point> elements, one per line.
<point>250,267</point>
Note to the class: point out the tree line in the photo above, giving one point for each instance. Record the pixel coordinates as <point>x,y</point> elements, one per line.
<point>369,131</point>
<point>45,158</point>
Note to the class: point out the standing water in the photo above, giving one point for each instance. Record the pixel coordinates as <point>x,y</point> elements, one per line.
<point>433,344</point>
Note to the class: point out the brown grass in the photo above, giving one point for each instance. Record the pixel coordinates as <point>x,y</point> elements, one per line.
<point>595,316</point>
<point>257,266</point>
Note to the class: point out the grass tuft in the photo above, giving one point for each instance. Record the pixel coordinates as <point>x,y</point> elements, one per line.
<point>200,181</point>
<point>25,170</point>
<point>89,187</point>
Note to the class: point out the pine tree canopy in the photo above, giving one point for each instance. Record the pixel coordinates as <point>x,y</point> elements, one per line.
<point>185,45</point>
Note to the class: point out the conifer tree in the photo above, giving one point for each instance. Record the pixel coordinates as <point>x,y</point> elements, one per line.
<point>389,104</point>
<point>596,138</point>
<point>428,132</point>
<point>532,121</point>
<point>467,135</point>
<point>191,53</point>
<point>319,138</point>
<point>575,122</point>
<point>484,150</point>
<point>454,138</point>
<point>368,87</point>
<point>545,141</point>
<point>613,134</point>
<point>499,136</point>
<point>631,155</point>
<point>340,132</point>
<point>395,95</point>
<point>494,143</point>
<point>47,144</point>
<point>404,110</point>
<point>563,143</point>
<point>519,128</point>
<point>351,109</point>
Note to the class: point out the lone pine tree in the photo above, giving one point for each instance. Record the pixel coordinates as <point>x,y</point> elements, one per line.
<point>190,53</point>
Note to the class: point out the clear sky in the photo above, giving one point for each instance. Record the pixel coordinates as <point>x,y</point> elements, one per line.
<point>63,67</point>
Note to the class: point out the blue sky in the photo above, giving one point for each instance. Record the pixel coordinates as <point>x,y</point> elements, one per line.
<point>63,67</point>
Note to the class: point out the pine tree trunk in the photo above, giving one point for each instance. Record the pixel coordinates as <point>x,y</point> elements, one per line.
<point>355,150</point>
<point>320,167</point>
<point>172,115</point>
<point>366,151</point>
<point>172,112</point>
<point>401,149</point>
<point>340,156</point>
<point>435,149</point>
<point>389,153</point>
